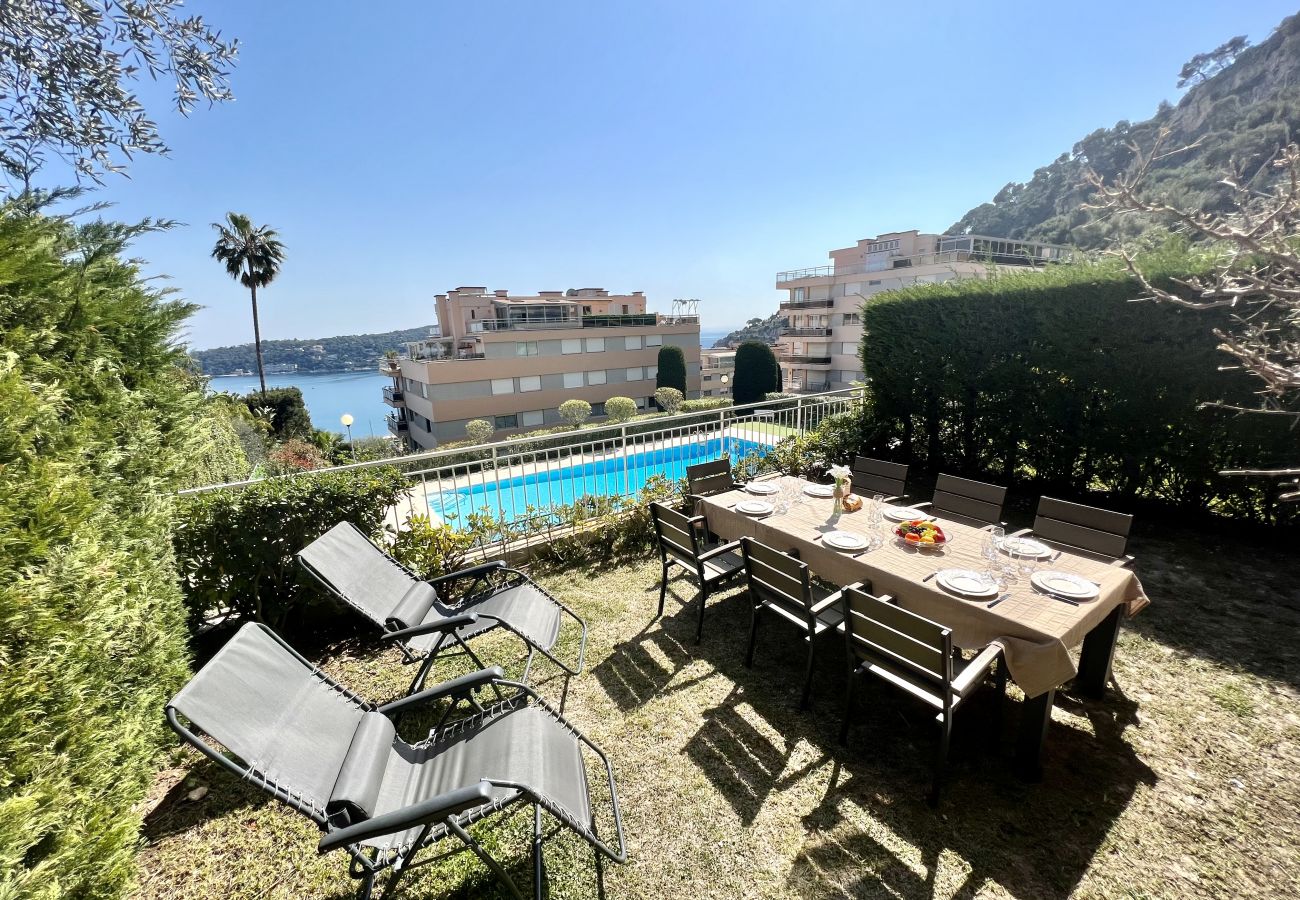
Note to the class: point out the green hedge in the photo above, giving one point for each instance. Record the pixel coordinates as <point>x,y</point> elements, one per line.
<point>236,547</point>
<point>1057,378</point>
<point>99,427</point>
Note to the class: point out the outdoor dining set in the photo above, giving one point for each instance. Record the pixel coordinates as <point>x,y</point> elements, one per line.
<point>909,602</point>
<point>934,598</point>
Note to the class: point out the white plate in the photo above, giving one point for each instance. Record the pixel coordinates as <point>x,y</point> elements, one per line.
<point>844,540</point>
<point>762,487</point>
<point>967,582</point>
<point>1065,584</point>
<point>754,507</point>
<point>902,513</point>
<point>820,490</point>
<point>1024,546</point>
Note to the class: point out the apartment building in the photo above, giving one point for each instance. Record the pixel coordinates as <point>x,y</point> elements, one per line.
<point>717,371</point>
<point>512,360</point>
<point>821,328</point>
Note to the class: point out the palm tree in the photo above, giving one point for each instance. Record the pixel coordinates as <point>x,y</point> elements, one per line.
<point>253,256</point>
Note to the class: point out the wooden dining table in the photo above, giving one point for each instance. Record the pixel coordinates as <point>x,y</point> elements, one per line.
<point>1045,641</point>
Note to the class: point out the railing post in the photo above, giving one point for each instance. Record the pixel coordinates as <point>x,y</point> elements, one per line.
<point>798,415</point>
<point>622,452</point>
<point>501,509</point>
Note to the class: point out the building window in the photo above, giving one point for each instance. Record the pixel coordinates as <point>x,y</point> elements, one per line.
<point>625,309</point>
<point>850,348</point>
<point>632,343</point>
<point>573,379</point>
<point>596,377</point>
<point>571,345</point>
<point>636,373</point>
<point>586,310</point>
<point>529,419</point>
<point>875,283</point>
<point>598,409</point>
<point>510,421</point>
<point>651,372</point>
<point>530,383</point>
<point>798,295</point>
<point>503,385</point>
<point>852,319</point>
<point>525,348</point>
<point>882,246</point>
<point>654,340</point>
<point>595,345</point>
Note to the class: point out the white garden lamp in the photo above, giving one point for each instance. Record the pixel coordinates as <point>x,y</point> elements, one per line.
<point>346,419</point>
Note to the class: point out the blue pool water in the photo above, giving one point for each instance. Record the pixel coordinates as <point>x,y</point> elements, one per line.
<point>614,476</point>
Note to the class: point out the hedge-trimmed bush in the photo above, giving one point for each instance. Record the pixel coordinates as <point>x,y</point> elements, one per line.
<point>236,547</point>
<point>100,424</point>
<point>757,373</point>
<point>620,409</point>
<point>1056,377</point>
<point>671,371</point>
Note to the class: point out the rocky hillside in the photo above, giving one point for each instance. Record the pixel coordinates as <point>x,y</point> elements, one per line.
<point>754,330</point>
<point>1238,117</point>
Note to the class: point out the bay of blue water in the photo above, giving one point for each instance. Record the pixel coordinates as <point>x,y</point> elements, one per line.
<point>615,476</point>
<point>328,396</point>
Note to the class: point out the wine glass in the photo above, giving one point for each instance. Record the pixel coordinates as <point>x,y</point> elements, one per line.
<point>993,537</point>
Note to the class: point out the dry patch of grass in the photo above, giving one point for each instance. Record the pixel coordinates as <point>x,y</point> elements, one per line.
<point>1181,784</point>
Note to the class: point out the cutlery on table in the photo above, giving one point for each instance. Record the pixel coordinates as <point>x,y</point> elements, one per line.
<point>931,575</point>
<point>1059,597</point>
<point>997,601</point>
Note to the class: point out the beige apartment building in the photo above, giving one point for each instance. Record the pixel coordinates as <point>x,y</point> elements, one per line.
<point>512,360</point>
<point>717,371</point>
<point>822,327</point>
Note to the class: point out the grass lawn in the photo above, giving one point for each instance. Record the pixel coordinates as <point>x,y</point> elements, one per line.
<point>1183,783</point>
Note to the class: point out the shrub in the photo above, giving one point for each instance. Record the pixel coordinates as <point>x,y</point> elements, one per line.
<point>606,528</point>
<point>284,410</point>
<point>236,547</point>
<point>294,455</point>
<point>431,550</point>
<point>669,399</point>
<point>218,452</point>
<point>575,412</point>
<point>757,373</point>
<point>100,427</point>
<point>620,409</point>
<point>479,431</point>
<point>704,404</point>
<point>778,395</point>
<point>671,369</point>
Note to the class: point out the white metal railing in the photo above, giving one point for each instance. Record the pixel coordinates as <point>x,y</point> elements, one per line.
<point>968,248</point>
<point>522,487</point>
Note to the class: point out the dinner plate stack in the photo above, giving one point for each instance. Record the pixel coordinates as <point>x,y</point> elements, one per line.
<point>967,583</point>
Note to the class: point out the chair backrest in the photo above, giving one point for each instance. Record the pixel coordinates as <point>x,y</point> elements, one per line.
<point>777,578</point>
<point>679,536</point>
<point>876,476</point>
<point>908,646</point>
<point>289,723</point>
<point>962,498</point>
<point>351,567</point>
<point>705,479</point>
<point>1086,527</point>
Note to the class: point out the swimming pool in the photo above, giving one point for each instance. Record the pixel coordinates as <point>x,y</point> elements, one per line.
<point>613,476</point>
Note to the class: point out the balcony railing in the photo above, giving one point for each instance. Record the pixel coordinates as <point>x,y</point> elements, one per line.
<point>394,397</point>
<point>807,304</point>
<point>805,332</point>
<point>389,367</point>
<point>397,425</point>
<point>805,360</point>
<point>800,387</point>
<point>567,472</point>
<point>999,251</point>
<point>536,323</point>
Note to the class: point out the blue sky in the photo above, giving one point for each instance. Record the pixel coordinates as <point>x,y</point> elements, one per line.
<point>687,149</point>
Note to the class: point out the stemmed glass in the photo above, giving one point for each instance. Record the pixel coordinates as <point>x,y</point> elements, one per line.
<point>993,537</point>
<point>875,520</point>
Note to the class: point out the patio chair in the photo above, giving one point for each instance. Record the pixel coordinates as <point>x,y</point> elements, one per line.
<point>1078,527</point>
<point>323,751</point>
<point>970,502</point>
<point>916,655</point>
<point>876,476</point>
<point>780,583</point>
<point>683,542</point>
<point>708,478</point>
<point>410,612</point>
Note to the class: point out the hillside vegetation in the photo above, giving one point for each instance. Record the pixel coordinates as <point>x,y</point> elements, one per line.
<point>1246,108</point>
<point>764,330</point>
<point>330,354</point>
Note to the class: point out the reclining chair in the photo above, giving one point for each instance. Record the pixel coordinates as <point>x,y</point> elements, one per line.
<point>409,611</point>
<point>337,759</point>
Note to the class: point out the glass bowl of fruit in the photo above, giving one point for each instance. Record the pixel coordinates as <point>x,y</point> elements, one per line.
<point>922,534</point>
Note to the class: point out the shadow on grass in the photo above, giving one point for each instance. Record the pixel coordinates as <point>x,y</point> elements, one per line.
<point>227,795</point>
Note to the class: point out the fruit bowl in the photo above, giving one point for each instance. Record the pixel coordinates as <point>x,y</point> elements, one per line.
<point>922,534</point>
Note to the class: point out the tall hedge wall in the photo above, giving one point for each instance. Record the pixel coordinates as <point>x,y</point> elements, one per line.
<point>1057,378</point>
<point>97,422</point>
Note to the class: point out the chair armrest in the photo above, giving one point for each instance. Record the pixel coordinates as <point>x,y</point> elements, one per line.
<point>472,572</point>
<point>431,810</point>
<point>728,547</point>
<point>1122,561</point>
<point>976,669</point>
<point>822,605</point>
<point>456,686</point>
<point>451,623</point>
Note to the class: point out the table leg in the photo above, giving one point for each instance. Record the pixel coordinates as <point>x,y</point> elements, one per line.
<point>1035,716</point>
<point>1098,651</point>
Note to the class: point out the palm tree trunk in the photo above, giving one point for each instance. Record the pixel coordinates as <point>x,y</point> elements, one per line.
<point>257,341</point>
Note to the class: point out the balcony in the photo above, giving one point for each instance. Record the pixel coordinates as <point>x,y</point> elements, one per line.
<point>543,323</point>
<point>395,397</point>
<point>803,360</point>
<point>390,368</point>
<point>805,332</point>
<point>961,248</point>
<point>398,426</point>
<point>807,304</point>
<point>808,387</point>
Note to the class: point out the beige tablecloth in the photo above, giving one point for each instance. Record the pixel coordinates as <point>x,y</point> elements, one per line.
<point>1036,632</point>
